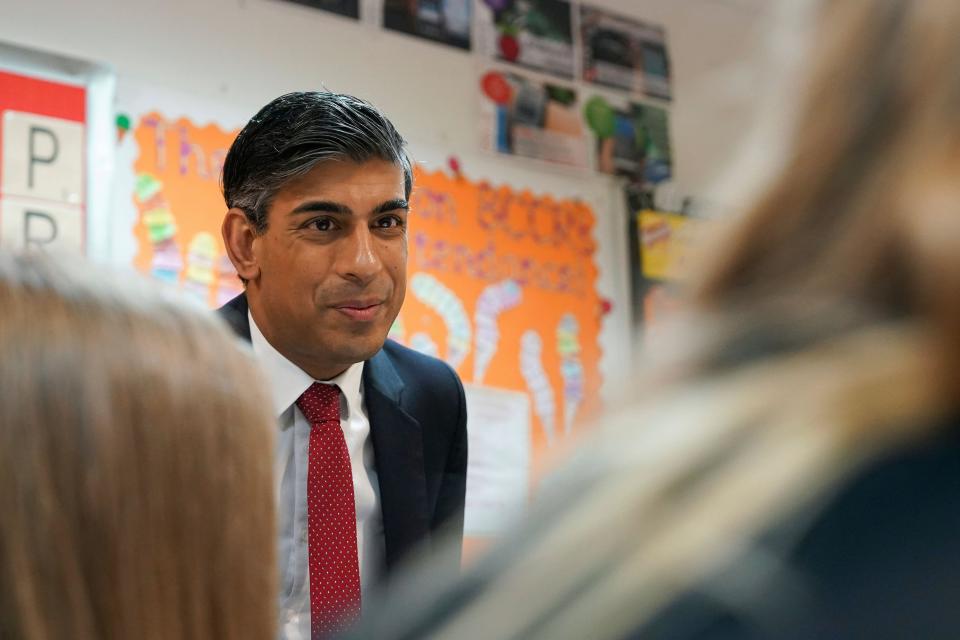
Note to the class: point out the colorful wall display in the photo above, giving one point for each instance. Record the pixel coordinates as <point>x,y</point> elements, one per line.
<point>501,285</point>
<point>42,163</point>
<point>348,8</point>
<point>537,34</point>
<point>526,117</point>
<point>633,139</point>
<point>622,53</point>
<point>178,198</point>
<point>444,21</point>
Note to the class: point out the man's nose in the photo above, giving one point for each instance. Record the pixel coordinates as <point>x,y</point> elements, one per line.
<point>358,259</point>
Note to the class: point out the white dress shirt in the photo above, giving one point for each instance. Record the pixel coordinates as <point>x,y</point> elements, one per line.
<point>287,383</point>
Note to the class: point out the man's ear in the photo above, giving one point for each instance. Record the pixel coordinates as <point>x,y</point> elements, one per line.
<point>238,238</point>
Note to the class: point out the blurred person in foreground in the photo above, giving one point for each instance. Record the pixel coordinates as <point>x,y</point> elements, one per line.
<point>794,470</point>
<point>135,478</point>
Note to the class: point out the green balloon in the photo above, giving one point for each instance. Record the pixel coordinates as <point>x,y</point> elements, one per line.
<point>600,117</point>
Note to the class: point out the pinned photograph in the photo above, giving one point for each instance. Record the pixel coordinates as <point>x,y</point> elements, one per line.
<point>443,21</point>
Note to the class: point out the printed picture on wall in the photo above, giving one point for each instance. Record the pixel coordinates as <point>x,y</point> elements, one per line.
<point>445,21</point>
<point>633,140</point>
<point>622,53</point>
<point>533,33</point>
<point>526,117</point>
<point>348,8</point>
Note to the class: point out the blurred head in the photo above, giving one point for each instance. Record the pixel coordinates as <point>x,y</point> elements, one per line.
<point>317,186</point>
<point>867,210</point>
<point>135,464</point>
<point>825,332</point>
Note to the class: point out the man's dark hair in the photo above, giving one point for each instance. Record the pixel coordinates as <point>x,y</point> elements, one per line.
<point>294,133</point>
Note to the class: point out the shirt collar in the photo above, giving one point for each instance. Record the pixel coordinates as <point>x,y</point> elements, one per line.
<point>288,381</point>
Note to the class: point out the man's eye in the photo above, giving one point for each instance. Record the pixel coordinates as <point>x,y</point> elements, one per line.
<point>321,224</point>
<point>390,221</point>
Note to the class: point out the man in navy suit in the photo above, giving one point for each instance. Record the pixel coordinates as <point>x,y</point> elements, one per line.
<point>317,186</point>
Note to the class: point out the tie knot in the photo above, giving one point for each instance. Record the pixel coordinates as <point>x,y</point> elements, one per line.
<point>320,403</point>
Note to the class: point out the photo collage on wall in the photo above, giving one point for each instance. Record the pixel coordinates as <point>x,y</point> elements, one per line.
<point>536,34</point>
<point>534,119</point>
<point>444,21</point>
<point>624,54</point>
<point>346,8</point>
<point>610,114</point>
<point>559,81</point>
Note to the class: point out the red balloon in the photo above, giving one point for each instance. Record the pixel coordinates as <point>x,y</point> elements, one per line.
<point>496,87</point>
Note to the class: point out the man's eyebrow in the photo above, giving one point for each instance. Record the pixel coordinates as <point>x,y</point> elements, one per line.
<point>325,206</point>
<point>392,205</point>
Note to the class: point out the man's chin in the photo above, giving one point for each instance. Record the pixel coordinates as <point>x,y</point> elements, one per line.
<point>353,350</point>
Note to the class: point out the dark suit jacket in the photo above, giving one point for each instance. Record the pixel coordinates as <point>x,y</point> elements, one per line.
<point>879,560</point>
<point>418,425</point>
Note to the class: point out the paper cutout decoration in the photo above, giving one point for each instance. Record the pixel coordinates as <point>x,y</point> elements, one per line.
<point>494,300</point>
<point>424,344</point>
<point>571,369</point>
<point>201,255</point>
<point>166,263</point>
<point>538,383</point>
<point>123,125</point>
<point>429,290</point>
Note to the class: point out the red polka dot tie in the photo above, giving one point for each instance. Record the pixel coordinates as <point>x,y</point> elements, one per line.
<point>331,516</point>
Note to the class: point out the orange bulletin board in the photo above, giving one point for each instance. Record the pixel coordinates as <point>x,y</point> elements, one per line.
<point>180,207</point>
<point>505,283</point>
<point>501,285</point>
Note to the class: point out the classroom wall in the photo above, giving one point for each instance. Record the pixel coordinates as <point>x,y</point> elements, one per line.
<point>223,59</point>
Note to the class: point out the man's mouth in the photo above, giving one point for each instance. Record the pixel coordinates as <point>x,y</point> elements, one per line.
<point>359,310</point>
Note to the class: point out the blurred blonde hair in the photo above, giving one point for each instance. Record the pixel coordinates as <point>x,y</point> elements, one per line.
<point>823,332</point>
<point>135,464</point>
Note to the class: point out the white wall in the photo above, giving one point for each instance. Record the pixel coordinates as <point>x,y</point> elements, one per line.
<point>235,55</point>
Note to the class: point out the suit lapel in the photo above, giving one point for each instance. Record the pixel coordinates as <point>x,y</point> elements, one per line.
<point>235,314</point>
<point>398,450</point>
